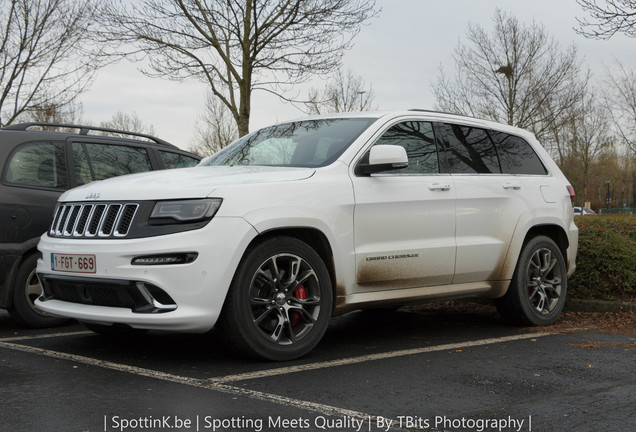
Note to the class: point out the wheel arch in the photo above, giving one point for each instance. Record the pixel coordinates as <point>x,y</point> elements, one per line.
<point>553,231</point>
<point>21,254</point>
<point>315,238</point>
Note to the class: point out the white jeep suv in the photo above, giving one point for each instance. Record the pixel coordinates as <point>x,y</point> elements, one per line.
<point>307,219</point>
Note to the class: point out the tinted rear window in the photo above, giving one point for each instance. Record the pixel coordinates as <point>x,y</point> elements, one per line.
<point>516,155</point>
<point>102,161</point>
<point>469,150</point>
<point>38,165</point>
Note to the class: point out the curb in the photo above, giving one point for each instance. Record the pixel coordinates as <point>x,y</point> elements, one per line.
<point>580,305</point>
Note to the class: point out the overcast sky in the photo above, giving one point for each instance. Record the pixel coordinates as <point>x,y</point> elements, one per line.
<point>398,52</point>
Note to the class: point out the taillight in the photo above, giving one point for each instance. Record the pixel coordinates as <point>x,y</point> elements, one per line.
<point>572,194</point>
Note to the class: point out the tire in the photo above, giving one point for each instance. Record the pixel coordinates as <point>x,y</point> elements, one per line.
<point>114,331</point>
<point>26,290</point>
<point>280,301</point>
<point>539,284</point>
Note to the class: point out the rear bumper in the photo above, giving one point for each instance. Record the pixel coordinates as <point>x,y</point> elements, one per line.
<point>573,237</point>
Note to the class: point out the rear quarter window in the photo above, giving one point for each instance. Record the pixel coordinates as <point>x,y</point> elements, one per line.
<point>517,155</point>
<point>37,165</point>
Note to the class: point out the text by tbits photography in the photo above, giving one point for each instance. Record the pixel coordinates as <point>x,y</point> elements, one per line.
<point>116,423</point>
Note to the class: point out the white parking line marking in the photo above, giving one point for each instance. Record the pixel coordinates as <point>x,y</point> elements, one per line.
<point>218,384</point>
<point>44,336</point>
<point>371,357</point>
<point>193,382</point>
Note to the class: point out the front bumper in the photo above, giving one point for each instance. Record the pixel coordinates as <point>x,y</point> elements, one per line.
<point>183,297</point>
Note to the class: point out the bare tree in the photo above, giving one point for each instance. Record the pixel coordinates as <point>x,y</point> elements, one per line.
<point>128,122</point>
<point>516,75</point>
<point>53,113</point>
<point>236,47</point>
<point>590,136</point>
<point>607,17</point>
<point>216,128</point>
<point>620,98</point>
<point>346,92</point>
<point>39,62</point>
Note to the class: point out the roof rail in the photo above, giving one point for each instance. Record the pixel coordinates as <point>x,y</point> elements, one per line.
<point>84,130</point>
<point>444,113</point>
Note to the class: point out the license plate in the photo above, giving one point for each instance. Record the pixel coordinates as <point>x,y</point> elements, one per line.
<point>73,263</point>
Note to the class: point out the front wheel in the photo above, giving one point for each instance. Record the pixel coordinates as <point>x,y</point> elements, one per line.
<point>537,291</point>
<point>279,303</point>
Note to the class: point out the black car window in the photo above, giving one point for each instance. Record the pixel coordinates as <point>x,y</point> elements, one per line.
<point>39,165</point>
<point>469,150</point>
<point>103,161</point>
<point>516,155</point>
<point>176,160</point>
<point>418,140</point>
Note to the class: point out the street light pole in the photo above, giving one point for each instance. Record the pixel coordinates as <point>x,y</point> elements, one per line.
<point>360,93</point>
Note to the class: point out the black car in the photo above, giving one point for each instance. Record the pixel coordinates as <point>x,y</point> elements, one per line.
<point>38,164</point>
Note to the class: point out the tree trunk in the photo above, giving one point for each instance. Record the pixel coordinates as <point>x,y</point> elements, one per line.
<point>244,124</point>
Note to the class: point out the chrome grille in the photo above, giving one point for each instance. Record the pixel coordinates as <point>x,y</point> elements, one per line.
<point>89,220</point>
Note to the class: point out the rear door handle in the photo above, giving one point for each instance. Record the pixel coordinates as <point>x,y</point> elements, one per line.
<point>509,185</point>
<point>439,187</point>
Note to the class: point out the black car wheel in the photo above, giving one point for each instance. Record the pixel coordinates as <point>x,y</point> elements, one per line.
<point>280,300</point>
<point>537,291</point>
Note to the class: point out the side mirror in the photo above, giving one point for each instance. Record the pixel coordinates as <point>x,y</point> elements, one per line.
<point>384,158</point>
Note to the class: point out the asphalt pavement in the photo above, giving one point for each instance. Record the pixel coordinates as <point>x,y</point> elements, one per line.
<point>381,370</point>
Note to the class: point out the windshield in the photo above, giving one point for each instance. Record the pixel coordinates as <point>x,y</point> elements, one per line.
<point>307,143</point>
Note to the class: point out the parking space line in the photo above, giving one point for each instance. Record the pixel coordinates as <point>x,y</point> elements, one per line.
<point>219,384</point>
<point>371,357</point>
<point>322,409</point>
<point>44,336</point>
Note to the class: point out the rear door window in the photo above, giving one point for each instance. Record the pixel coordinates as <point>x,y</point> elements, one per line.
<point>38,165</point>
<point>102,161</point>
<point>468,150</point>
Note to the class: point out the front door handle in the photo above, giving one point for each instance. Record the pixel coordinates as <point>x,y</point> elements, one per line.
<point>439,187</point>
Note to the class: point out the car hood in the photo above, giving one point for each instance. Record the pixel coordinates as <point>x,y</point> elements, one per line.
<point>197,182</point>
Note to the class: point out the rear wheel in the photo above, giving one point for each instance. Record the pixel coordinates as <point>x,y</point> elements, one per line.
<point>537,291</point>
<point>279,304</point>
<point>26,290</point>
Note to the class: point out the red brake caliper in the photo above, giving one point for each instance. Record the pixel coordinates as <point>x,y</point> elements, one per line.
<point>299,293</point>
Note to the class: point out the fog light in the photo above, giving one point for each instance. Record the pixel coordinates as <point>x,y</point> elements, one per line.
<point>165,259</point>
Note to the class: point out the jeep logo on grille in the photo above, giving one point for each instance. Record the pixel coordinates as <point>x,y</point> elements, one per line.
<point>93,195</point>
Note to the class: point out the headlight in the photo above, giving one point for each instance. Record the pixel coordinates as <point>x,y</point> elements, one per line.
<point>185,210</point>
